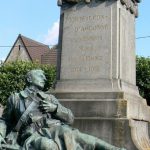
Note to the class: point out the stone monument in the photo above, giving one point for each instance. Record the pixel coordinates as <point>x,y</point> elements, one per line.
<point>97,71</point>
<point>35,120</point>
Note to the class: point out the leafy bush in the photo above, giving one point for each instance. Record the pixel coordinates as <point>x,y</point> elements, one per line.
<point>143,77</point>
<point>13,77</point>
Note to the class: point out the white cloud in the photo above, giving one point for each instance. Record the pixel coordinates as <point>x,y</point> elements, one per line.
<point>52,36</point>
<point>2,59</point>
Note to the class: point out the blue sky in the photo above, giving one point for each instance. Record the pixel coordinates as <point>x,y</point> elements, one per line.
<point>143,29</point>
<point>39,20</point>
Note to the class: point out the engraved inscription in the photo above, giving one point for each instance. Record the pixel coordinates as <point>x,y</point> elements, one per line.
<point>91,28</point>
<point>80,19</point>
<point>86,38</point>
<point>84,58</point>
<point>85,48</point>
<point>85,69</point>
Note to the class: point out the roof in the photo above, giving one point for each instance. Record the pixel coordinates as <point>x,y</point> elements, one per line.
<point>35,49</point>
<point>50,57</point>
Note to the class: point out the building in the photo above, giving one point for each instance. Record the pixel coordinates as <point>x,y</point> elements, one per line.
<point>27,49</point>
<point>50,57</point>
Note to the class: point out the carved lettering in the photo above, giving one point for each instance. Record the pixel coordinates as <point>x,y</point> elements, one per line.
<point>91,28</point>
<point>86,48</point>
<point>85,58</point>
<point>90,58</point>
<point>85,69</point>
<point>81,19</point>
<point>86,38</point>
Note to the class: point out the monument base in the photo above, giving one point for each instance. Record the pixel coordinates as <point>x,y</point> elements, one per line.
<point>118,118</point>
<point>97,74</point>
<point>127,133</point>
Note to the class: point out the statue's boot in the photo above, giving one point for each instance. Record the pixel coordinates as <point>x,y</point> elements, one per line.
<point>95,143</point>
<point>102,145</point>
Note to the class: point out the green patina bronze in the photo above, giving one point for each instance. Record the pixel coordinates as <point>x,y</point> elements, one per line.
<point>35,120</point>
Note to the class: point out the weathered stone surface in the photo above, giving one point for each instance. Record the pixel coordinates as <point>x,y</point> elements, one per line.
<point>113,117</point>
<point>139,133</point>
<point>131,5</point>
<point>96,41</point>
<point>85,48</point>
<point>108,120</point>
<point>116,131</point>
<point>97,76</point>
<point>105,104</point>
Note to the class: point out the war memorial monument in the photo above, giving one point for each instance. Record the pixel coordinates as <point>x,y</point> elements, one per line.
<point>97,73</point>
<point>96,81</point>
<point>35,120</point>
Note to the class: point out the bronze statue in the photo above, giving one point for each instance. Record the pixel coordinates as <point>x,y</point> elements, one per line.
<point>35,120</point>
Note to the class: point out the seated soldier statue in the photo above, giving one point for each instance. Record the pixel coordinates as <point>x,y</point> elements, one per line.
<point>35,120</point>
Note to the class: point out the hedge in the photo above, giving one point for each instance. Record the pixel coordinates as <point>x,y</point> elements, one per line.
<point>143,77</point>
<point>13,77</point>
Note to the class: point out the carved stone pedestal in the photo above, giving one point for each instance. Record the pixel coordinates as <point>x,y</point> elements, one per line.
<point>96,71</point>
<point>111,116</point>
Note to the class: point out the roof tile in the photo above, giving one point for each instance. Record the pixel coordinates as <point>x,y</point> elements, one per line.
<point>35,49</point>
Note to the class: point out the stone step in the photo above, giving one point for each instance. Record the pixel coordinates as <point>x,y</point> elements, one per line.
<point>115,108</point>
<point>128,133</point>
<point>100,95</point>
<point>96,108</point>
<point>90,95</point>
<point>114,131</point>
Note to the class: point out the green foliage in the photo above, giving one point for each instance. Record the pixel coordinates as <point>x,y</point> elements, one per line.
<point>143,77</point>
<point>13,77</point>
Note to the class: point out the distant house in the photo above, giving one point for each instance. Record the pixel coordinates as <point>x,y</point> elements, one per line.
<point>50,57</point>
<point>27,49</point>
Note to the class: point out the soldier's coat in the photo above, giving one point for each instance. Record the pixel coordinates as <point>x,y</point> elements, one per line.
<point>53,125</point>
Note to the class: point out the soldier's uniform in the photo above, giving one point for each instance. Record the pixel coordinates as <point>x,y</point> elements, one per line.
<point>25,125</point>
<point>36,122</point>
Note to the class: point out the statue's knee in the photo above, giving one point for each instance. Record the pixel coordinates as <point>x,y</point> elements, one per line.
<point>46,144</point>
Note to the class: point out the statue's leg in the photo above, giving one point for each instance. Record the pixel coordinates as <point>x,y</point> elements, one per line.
<point>102,144</point>
<point>98,143</point>
<point>44,143</point>
<point>38,142</point>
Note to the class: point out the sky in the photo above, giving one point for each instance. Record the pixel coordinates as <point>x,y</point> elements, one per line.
<point>39,20</point>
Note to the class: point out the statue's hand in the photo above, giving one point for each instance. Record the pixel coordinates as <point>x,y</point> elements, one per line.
<point>2,141</point>
<point>47,106</point>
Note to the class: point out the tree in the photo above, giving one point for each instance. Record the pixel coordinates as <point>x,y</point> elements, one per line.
<point>13,77</point>
<point>143,77</point>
